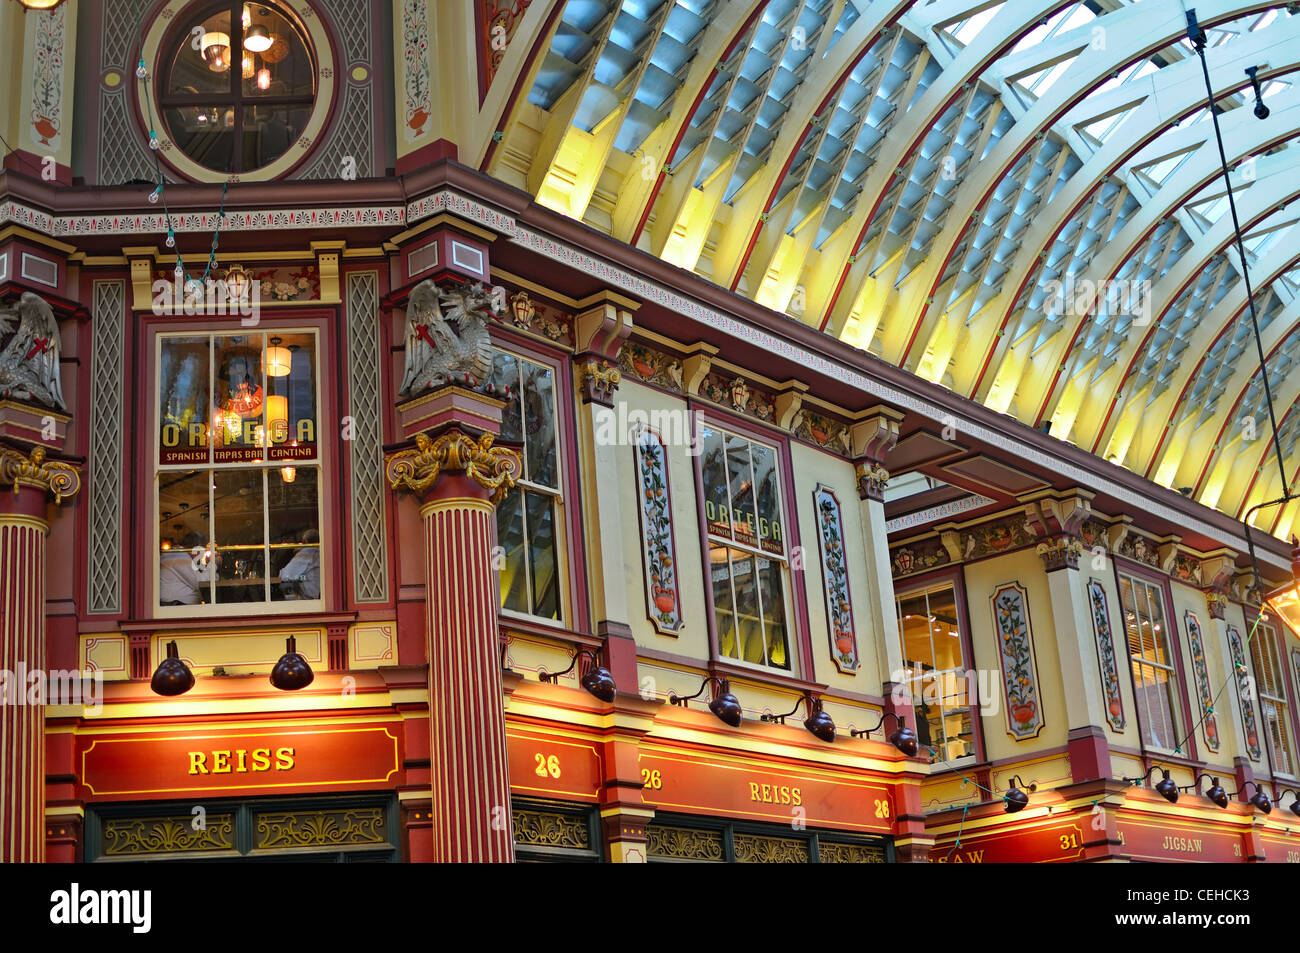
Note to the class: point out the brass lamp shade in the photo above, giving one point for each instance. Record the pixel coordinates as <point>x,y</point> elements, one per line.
<point>39,4</point>
<point>1285,600</point>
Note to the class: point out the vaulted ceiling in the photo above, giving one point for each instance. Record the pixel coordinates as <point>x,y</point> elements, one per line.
<point>940,182</point>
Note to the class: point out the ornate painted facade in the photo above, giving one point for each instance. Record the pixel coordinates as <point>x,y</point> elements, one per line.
<point>390,469</point>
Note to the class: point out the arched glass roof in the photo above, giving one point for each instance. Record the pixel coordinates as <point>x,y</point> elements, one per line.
<point>1021,201</point>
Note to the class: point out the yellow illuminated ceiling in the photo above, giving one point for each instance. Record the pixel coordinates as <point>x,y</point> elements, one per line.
<point>945,183</point>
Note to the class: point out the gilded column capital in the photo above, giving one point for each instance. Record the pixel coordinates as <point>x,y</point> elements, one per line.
<point>61,480</point>
<point>495,469</point>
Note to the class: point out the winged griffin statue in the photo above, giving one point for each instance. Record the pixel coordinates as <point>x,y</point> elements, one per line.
<point>29,363</point>
<point>447,337</point>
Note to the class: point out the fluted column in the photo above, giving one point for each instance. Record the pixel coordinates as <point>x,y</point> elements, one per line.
<point>26,482</point>
<point>460,478</point>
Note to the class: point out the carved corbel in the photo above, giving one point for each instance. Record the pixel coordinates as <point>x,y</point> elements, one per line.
<point>951,540</point>
<point>1055,521</point>
<point>1166,554</point>
<point>788,402</point>
<point>696,366</point>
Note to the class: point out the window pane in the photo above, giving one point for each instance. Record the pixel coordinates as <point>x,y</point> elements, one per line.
<point>943,630</point>
<point>770,532</point>
<point>184,568</point>
<point>279,63</point>
<point>269,131</point>
<point>741,478</point>
<point>183,401</point>
<point>238,421</point>
<point>291,420</point>
<point>505,374</point>
<point>773,592</point>
<point>295,537</point>
<point>541,555</point>
<point>724,618</point>
<point>713,474</point>
<point>207,69</point>
<point>238,522</point>
<point>510,537</point>
<point>204,133</point>
<point>539,417</point>
<point>749,628</point>
<point>914,626</point>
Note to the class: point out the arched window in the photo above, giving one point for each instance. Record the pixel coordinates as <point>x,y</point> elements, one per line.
<point>239,85</point>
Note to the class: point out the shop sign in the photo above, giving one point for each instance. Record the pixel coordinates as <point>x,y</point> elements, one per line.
<point>1163,839</point>
<point>546,765</point>
<point>165,764</point>
<point>698,784</point>
<point>1043,844</point>
<point>1280,848</point>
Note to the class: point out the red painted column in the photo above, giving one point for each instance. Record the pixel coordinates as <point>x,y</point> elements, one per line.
<point>25,483</point>
<point>459,479</point>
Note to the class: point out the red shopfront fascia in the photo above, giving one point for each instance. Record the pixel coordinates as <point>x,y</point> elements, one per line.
<point>185,761</point>
<point>721,784</point>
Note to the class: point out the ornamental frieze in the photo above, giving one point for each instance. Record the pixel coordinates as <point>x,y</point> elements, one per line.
<point>735,393</point>
<point>644,363</point>
<point>823,431</point>
<point>918,556</point>
<point>527,313</point>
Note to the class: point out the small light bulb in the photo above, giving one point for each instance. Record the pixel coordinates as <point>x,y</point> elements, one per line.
<point>142,71</point>
<point>155,195</point>
<point>180,271</point>
<point>171,240</point>
<point>153,140</point>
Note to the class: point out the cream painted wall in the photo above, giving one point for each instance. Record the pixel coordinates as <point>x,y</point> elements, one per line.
<point>812,467</point>
<point>982,578</point>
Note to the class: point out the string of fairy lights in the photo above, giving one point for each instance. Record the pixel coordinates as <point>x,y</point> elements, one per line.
<point>159,194</point>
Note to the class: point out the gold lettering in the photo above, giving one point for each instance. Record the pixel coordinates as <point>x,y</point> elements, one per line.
<point>198,435</point>
<point>261,759</point>
<point>198,762</point>
<point>753,791</point>
<point>306,430</point>
<point>250,431</point>
<point>221,762</point>
<point>171,435</point>
<point>283,759</point>
<point>239,763</point>
<point>798,798</point>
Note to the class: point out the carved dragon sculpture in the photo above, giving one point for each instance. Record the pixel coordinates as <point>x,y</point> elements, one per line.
<point>438,353</point>
<point>29,363</point>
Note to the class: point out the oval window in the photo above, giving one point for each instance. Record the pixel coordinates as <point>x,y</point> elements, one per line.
<point>240,86</point>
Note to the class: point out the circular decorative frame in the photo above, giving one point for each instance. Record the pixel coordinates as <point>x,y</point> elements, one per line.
<point>163,28</point>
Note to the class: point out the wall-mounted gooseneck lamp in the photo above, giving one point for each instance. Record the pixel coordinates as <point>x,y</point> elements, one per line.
<point>597,682</point>
<point>818,723</point>
<point>902,737</point>
<point>1166,787</point>
<point>1015,799</point>
<point>724,705</point>
<point>1216,793</point>
<point>172,676</point>
<point>292,671</point>
<point>1261,111</point>
<point>1261,800</point>
<point>1295,803</point>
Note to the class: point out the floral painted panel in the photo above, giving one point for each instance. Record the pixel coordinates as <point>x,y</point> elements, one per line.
<point>1106,654</point>
<point>835,579</point>
<point>1019,675</point>
<point>1209,724</point>
<point>1295,664</point>
<point>663,599</point>
<point>1245,692</point>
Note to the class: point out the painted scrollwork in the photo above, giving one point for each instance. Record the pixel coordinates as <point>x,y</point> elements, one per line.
<point>59,479</point>
<point>494,468</point>
<point>321,828</point>
<point>438,353</point>
<point>126,836</point>
<point>29,362</point>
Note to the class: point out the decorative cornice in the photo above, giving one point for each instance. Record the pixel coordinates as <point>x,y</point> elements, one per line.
<point>494,468</point>
<point>61,480</point>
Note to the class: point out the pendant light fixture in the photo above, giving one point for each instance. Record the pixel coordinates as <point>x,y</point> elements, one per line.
<point>258,39</point>
<point>216,50</point>
<point>1261,800</point>
<point>39,4</point>
<point>1015,800</point>
<point>292,671</point>
<point>818,723</point>
<point>902,737</point>
<point>1285,600</point>
<point>172,676</point>
<point>597,682</point>
<point>1216,793</point>
<point>1166,787</point>
<point>725,706</point>
<point>279,359</point>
